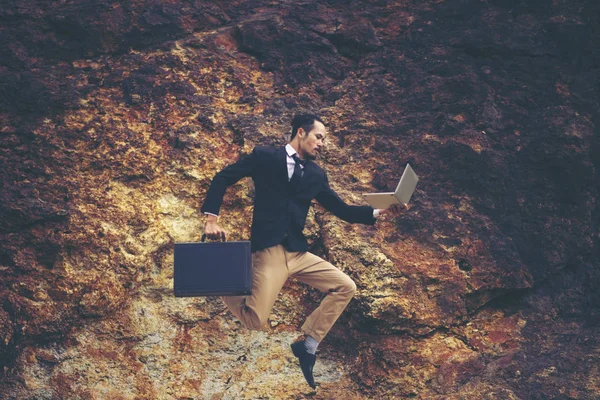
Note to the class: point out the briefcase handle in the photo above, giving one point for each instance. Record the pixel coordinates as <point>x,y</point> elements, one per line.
<point>204,237</point>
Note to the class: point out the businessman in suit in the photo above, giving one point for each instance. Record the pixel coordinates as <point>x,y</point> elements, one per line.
<point>286,180</point>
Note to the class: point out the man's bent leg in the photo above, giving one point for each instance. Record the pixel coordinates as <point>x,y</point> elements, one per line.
<point>269,273</point>
<point>316,272</point>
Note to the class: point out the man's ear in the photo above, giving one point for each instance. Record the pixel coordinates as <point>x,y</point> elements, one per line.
<point>300,132</point>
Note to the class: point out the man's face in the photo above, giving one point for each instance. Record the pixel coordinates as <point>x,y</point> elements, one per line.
<point>311,142</point>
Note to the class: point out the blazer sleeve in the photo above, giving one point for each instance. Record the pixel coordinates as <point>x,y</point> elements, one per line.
<point>227,177</point>
<point>353,214</point>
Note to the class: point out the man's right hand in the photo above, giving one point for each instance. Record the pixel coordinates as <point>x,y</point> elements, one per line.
<point>212,228</point>
<point>394,210</point>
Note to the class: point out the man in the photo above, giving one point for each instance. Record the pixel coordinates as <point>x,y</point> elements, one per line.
<point>286,181</point>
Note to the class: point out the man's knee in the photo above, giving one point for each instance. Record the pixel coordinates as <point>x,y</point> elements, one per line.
<point>254,321</point>
<point>349,287</point>
<point>254,324</point>
<point>352,287</point>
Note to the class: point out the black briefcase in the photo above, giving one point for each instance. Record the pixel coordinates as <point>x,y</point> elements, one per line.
<point>212,269</point>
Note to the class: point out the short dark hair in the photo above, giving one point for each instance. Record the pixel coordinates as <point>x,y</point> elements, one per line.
<point>304,121</point>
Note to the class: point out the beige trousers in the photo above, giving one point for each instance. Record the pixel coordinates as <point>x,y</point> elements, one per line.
<point>270,270</point>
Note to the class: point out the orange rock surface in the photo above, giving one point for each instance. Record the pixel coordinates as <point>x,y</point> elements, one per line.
<point>115,116</point>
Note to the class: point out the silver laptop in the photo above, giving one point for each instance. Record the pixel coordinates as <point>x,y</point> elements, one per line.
<point>402,195</point>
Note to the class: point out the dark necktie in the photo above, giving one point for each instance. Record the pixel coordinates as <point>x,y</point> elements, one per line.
<point>298,171</point>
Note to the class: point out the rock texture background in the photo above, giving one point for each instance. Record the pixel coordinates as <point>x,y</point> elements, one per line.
<point>115,115</point>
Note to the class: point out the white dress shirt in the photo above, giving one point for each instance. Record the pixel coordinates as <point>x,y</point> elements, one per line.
<point>291,163</point>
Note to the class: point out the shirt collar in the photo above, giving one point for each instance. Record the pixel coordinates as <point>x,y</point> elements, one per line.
<point>290,150</point>
<point>290,155</point>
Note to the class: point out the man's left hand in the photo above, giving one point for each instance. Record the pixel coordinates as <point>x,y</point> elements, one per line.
<point>394,211</point>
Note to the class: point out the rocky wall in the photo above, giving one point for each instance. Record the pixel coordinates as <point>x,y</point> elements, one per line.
<point>116,115</point>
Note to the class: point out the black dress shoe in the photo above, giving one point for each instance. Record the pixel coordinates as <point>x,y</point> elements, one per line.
<point>307,361</point>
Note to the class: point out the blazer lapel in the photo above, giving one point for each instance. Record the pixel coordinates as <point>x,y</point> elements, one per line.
<point>282,165</point>
<point>307,178</point>
<point>309,171</point>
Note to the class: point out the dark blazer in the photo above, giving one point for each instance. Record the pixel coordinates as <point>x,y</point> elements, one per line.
<point>279,207</point>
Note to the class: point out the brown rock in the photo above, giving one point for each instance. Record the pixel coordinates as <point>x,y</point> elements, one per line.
<point>116,116</point>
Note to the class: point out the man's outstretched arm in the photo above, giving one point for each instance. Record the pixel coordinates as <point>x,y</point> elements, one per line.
<point>353,214</point>
<point>329,199</point>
